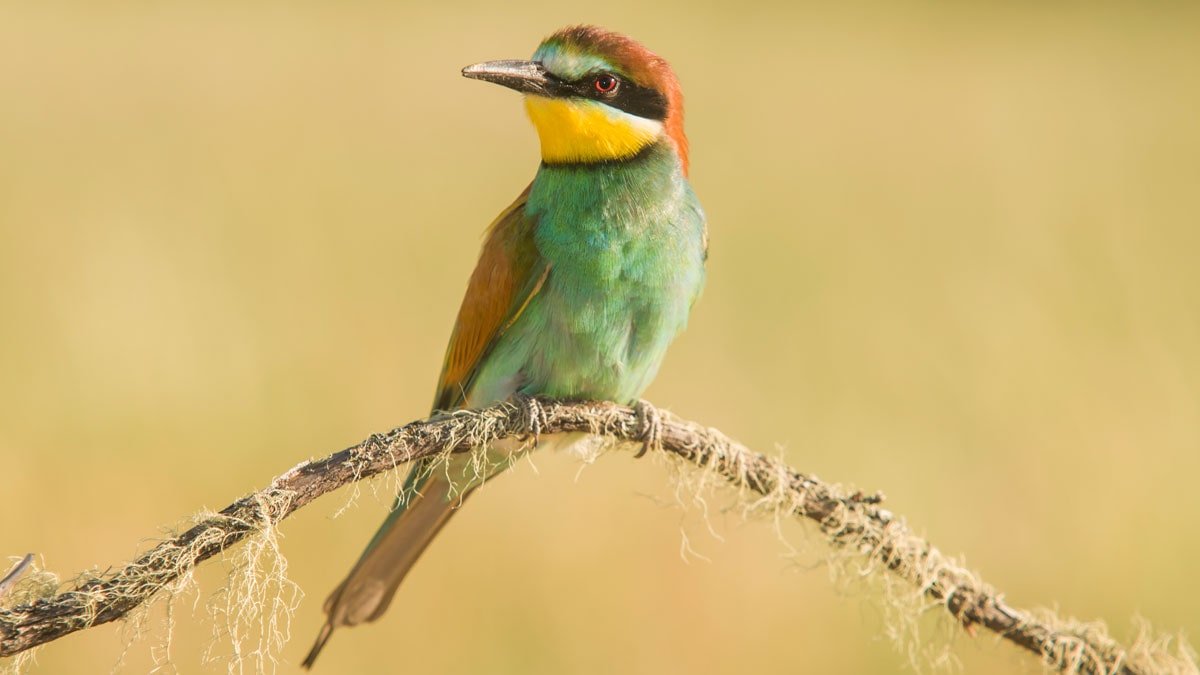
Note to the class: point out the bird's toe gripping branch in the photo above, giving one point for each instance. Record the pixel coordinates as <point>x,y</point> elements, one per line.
<point>532,414</point>
<point>650,426</point>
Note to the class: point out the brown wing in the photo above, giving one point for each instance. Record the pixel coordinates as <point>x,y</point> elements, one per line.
<point>509,273</point>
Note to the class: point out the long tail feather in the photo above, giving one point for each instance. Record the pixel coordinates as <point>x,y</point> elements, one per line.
<point>368,589</point>
<point>322,638</point>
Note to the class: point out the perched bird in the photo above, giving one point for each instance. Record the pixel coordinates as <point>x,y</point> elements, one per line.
<point>582,283</point>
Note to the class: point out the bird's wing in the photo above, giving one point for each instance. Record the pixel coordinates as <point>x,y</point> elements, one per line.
<point>509,273</point>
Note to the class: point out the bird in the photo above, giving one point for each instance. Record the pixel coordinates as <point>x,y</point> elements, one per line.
<point>581,285</point>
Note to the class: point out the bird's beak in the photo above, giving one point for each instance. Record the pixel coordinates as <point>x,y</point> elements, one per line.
<point>527,77</point>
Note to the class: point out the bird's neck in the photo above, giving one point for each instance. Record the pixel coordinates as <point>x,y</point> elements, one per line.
<point>625,193</point>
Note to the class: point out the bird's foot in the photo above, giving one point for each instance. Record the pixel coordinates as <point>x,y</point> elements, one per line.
<point>532,414</point>
<point>649,427</point>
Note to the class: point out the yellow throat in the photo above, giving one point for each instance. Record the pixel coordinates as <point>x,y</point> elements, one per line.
<point>575,130</point>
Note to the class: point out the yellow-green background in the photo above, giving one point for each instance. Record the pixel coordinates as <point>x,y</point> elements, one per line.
<point>954,257</point>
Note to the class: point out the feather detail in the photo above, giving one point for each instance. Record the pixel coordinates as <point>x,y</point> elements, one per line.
<point>509,273</point>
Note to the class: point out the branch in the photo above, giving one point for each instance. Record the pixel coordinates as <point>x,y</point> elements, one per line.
<point>851,522</point>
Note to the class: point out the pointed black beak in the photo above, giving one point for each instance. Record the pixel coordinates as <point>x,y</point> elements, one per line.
<point>527,77</point>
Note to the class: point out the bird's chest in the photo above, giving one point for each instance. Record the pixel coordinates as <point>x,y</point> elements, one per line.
<point>606,276</point>
<point>624,237</point>
<point>623,277</point>
<point>624,247</point>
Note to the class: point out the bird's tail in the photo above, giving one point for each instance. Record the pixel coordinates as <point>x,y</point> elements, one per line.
<point>424,507</point>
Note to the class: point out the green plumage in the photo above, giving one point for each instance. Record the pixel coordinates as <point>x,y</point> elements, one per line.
<point>625,246</point>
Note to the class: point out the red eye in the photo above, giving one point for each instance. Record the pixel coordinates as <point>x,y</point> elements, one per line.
<point>605,84</point>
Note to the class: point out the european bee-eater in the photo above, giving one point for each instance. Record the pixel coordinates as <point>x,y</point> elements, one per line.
<point>582,283</point>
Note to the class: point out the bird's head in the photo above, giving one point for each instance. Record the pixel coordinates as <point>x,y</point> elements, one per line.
<point>594,96</point>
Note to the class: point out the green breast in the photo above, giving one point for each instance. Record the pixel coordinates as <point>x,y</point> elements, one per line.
<point>625,242</point>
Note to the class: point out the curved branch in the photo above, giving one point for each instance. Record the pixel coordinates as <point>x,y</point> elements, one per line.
<point>849,521</point>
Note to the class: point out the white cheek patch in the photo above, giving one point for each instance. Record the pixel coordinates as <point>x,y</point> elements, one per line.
<point>641,125</point>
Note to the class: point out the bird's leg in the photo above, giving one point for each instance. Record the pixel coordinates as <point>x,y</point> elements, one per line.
<point>533,415</point>
<point>649,427</point>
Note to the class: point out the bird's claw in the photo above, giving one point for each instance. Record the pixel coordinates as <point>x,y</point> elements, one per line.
<point>533,414</point>
<point>649,427</point>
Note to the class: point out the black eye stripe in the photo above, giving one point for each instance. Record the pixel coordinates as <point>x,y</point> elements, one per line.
<point>628,96</point>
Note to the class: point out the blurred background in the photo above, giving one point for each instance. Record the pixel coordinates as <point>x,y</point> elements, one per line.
<point>953,258</point>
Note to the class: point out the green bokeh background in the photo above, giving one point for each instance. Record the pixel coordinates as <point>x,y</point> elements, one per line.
<point>954,257</point>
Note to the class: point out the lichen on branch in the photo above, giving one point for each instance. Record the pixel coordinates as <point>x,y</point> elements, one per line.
<point>856,525</point>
